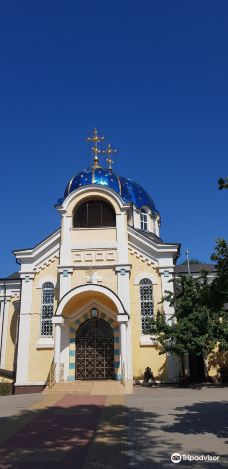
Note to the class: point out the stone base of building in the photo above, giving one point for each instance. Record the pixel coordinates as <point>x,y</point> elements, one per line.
<point>31,388</point>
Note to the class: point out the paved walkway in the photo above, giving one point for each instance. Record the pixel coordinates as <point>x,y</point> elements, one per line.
<point>140,431</point>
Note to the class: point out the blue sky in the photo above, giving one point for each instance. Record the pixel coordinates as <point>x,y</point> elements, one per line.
<point>152,76</point>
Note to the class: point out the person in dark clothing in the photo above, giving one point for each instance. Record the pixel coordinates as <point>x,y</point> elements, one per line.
<point>148,378</point>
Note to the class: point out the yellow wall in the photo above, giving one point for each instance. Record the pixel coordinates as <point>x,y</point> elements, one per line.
<point>13,315</point>
<point>144,355</point>
<point>93,235</point>
<point>109,278</point>
<point>215,361</point>
<point>40,359</point>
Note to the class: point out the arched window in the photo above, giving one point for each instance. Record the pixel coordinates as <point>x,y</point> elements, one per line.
<point>47,309</point>
<point>147,305</point>
<point>94,214</point>
<point>143,219</point>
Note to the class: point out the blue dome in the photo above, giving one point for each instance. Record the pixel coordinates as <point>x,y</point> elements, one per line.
<point>130,191</point>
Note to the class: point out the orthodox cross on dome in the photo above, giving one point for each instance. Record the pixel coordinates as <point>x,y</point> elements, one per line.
<point>95,139</point>
<point>109,151</point>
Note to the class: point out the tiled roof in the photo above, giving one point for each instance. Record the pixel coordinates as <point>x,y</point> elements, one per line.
<point>194,268</point>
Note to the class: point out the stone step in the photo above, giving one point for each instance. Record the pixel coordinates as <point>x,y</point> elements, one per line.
<point>91,388</point>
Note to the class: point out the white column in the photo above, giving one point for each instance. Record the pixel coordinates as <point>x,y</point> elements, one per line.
<point>123,350</point>
<point>65,249</point>
<point>129,351</point>
<point>65,260</point>
<point>57,346</point>
<point>64,349</point>
<point>167,285</point>
<point>123,285</point>
<point>64,280</point>
<point>4,328</point>
<point>121,236</point>
<point>24,329</point>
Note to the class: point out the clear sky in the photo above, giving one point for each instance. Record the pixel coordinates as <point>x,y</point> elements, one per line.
<point>151,75</point>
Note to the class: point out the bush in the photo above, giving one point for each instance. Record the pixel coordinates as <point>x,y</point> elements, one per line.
<point>5,388</point>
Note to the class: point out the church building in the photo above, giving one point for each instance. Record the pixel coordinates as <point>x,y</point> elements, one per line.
<point>84,296</point>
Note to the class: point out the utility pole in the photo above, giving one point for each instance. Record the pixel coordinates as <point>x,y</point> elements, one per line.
<point>187,257</point>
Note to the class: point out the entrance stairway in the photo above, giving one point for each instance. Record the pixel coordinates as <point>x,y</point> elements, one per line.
<point>93,388</point>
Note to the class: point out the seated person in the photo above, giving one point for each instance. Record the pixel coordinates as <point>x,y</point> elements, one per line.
<point>148,379</point>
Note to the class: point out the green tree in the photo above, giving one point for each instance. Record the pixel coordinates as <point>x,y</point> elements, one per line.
<point>200,320</point>
<point>219,292</point>
<point>223,183</point>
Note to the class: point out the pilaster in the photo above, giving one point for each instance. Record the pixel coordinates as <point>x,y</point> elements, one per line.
<point>24,328</point>
<point>57,321</point>
<point>4,305</point>
<point>123,285</point>
<point>168,285</point>
<point>64,280</point>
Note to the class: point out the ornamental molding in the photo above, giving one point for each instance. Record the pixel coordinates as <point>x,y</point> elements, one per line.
<point>32,259</point>
<point>143,275</point>
<point>95,256</point>
<point>86,308</point>
<point>159,253</point>
<point>103,190</point>
<point>89,288</point>
<point>45,280</point>
<point>47,263</point>
<point>142,256</point>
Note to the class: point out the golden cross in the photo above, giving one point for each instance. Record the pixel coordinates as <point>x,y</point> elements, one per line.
<point>109,151</point>
<point>95,139</point>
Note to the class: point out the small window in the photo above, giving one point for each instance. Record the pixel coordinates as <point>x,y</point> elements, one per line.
<point>147,305</point>
<point>47,309</point>
<point>94,214</point>
<point>144,220</point>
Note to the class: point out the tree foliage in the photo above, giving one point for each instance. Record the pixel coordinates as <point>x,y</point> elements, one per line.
<point>200,320</point>
<point>223,183</point>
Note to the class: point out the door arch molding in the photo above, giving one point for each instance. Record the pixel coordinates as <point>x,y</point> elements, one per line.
<point>90,288</point>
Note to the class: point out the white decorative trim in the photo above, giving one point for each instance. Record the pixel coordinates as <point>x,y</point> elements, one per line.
<point>32,258</point>
<point>96,245</point>
<point>57,320</point>
<point>148,340</point>
<point>142,255</point>
<point>5,310</point>
<point>46,279</point>
<point>97,189</point>
<point>45,343</point>
<point>49,259</point>
<point>32,383</point>
<point>87,307</point>
<point>24,331</point>
<point>143,275</point>
<point>88,288</point>
<point>122,318</point>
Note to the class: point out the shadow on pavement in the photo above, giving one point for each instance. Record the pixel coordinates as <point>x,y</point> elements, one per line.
<point>100,436</point>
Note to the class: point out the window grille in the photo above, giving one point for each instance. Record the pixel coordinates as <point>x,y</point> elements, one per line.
<point>147,305</point>
<point>94,214</point>
<point>47,309</point>
<point>144,220</point>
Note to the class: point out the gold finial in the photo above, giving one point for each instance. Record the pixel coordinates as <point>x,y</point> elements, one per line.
<point>95,139</point>
<point>109,151</point>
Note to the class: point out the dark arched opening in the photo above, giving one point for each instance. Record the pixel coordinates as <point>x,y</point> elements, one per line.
<point>94,350</point>
<point>94,214</point>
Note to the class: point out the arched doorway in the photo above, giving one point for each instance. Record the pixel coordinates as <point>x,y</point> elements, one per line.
<point>94,350</point>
